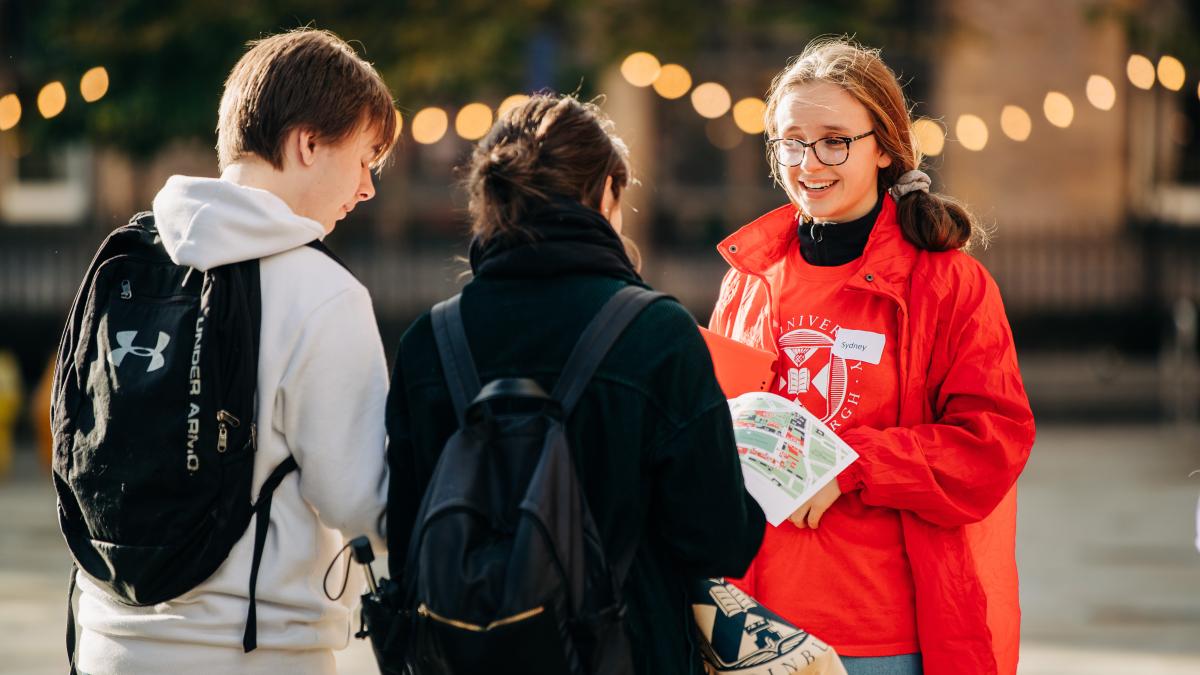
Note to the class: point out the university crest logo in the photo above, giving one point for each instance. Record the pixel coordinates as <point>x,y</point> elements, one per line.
<point>815,377</point>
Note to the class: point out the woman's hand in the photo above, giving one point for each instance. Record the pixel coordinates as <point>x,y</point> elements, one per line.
<point>810,512</point>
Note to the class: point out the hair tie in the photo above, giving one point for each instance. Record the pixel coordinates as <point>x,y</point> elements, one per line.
<point>911,181</point>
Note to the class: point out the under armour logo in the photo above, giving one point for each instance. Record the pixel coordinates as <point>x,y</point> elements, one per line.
<point>125,338</point>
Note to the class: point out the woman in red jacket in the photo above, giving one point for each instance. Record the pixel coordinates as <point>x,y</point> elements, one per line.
<point>898,339</point>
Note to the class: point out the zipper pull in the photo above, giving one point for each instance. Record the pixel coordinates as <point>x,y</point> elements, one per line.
<point>224,417</point>
<point>126,290</point>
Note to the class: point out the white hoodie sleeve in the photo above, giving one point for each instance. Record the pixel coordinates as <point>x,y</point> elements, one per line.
<point>330,408</point>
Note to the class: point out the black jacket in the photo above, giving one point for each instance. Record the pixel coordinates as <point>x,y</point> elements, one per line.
<point>652,434</point>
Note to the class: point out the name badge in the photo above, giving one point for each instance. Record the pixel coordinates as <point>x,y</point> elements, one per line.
<point>859,345</point>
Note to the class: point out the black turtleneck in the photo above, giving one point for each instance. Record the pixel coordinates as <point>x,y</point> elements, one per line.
<point>830,244</point>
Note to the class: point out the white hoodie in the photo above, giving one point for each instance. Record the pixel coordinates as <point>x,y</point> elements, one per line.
<point>322,385</point>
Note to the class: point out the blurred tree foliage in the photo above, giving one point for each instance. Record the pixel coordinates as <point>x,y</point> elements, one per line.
<point>167,59</point>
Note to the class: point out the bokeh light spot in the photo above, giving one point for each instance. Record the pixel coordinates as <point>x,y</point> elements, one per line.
<point>673,81</point>
<point>929,136</point>
<point>52,99</point>
<point>1140,71</point>
<point>640,69</point>
<point>1059,109</point>
<point>748,115</point>
<point>1171,73</point>
<point>94,84</point>
<point>10,111</point>
<point>429,125</point>
<point>1015,122</point>
<point>1101,93</point>
<point>972,132</point>
<point>473,121</point>
<point>711,100</point>
<point>510,103</point>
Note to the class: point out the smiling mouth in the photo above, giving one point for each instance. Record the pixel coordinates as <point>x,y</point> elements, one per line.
<point>817,185</point>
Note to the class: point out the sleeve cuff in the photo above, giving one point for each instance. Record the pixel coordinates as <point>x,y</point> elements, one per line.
<point>851,478</point>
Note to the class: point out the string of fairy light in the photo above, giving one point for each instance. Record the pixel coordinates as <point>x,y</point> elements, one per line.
<point>52,98</point>
<point>711,100</point>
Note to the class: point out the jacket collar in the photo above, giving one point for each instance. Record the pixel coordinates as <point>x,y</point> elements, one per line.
<point>560,238</point>
<point>762,244</point>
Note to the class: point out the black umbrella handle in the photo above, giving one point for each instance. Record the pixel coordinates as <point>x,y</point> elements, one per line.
<point>363,554</point>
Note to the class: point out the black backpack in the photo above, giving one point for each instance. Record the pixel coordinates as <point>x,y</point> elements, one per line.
<point>153,414</point>
<point>506,572</point>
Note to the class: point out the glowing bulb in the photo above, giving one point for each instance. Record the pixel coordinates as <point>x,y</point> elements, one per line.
<point>640,69</point>
<point>673,81</point>
<point>1171,73</point>
<point>1015,122</point>
<point>1140,71</point>
<point>429,125</point>
<point>711,100</point>
<point>748,115</point>
<point>473,121</point>
<point>972,132</point>
<point>10,111</point>
<point>94,84</point>
<point>929,137</point>
<point>399,126</point>
<point>1059,109</point>
<point>52,99</point>
<point>1101,93</point>
<point>511,102</point>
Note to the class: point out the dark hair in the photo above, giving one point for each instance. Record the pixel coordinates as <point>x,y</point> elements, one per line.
<point>932,222</point>
<point>305,78</point>
<point>549,147</point>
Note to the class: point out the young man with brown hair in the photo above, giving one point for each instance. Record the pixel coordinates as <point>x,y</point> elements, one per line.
<point>303,121</point>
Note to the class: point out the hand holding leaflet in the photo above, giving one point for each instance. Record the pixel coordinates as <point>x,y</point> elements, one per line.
<point>787,454</point>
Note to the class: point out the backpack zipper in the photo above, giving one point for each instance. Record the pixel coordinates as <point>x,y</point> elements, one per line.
<point>424,611</point>
<point>225,419</point>
<point>126,290</point>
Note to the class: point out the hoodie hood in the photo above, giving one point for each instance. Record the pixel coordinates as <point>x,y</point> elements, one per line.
<point>209,222</point>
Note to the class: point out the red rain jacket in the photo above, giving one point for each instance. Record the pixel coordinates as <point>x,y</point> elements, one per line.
<point>965,431</point>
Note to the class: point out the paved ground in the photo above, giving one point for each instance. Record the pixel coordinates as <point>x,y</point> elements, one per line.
<point>1111,575</point>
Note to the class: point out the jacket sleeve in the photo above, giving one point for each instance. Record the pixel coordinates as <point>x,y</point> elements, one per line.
<point>955,470</point>
<point>703,514</point>
<point>404,494</point>
<point>330,408</point>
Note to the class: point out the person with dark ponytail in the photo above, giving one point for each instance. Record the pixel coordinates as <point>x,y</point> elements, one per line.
<point>651,436</point>
<point>892,334</point>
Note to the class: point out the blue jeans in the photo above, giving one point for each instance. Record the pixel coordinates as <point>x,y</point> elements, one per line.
<point>904,664</point>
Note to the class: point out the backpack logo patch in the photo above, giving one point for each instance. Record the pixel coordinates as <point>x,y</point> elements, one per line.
<point>125,338</point>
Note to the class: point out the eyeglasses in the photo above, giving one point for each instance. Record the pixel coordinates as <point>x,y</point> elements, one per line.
<point>830,151</point>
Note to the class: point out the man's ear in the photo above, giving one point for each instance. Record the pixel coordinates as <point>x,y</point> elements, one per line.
<point>300,145</point>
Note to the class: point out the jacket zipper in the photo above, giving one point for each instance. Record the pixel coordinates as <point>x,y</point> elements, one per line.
<point>424,611</point>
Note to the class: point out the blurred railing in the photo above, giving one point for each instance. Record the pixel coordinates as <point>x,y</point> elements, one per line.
<point>1035,275</point>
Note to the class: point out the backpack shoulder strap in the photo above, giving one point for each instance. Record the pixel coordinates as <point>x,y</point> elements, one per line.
<point>457,363</point>
<point>320,246</point>
<point>612,320</point>
<point>262,519</point>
